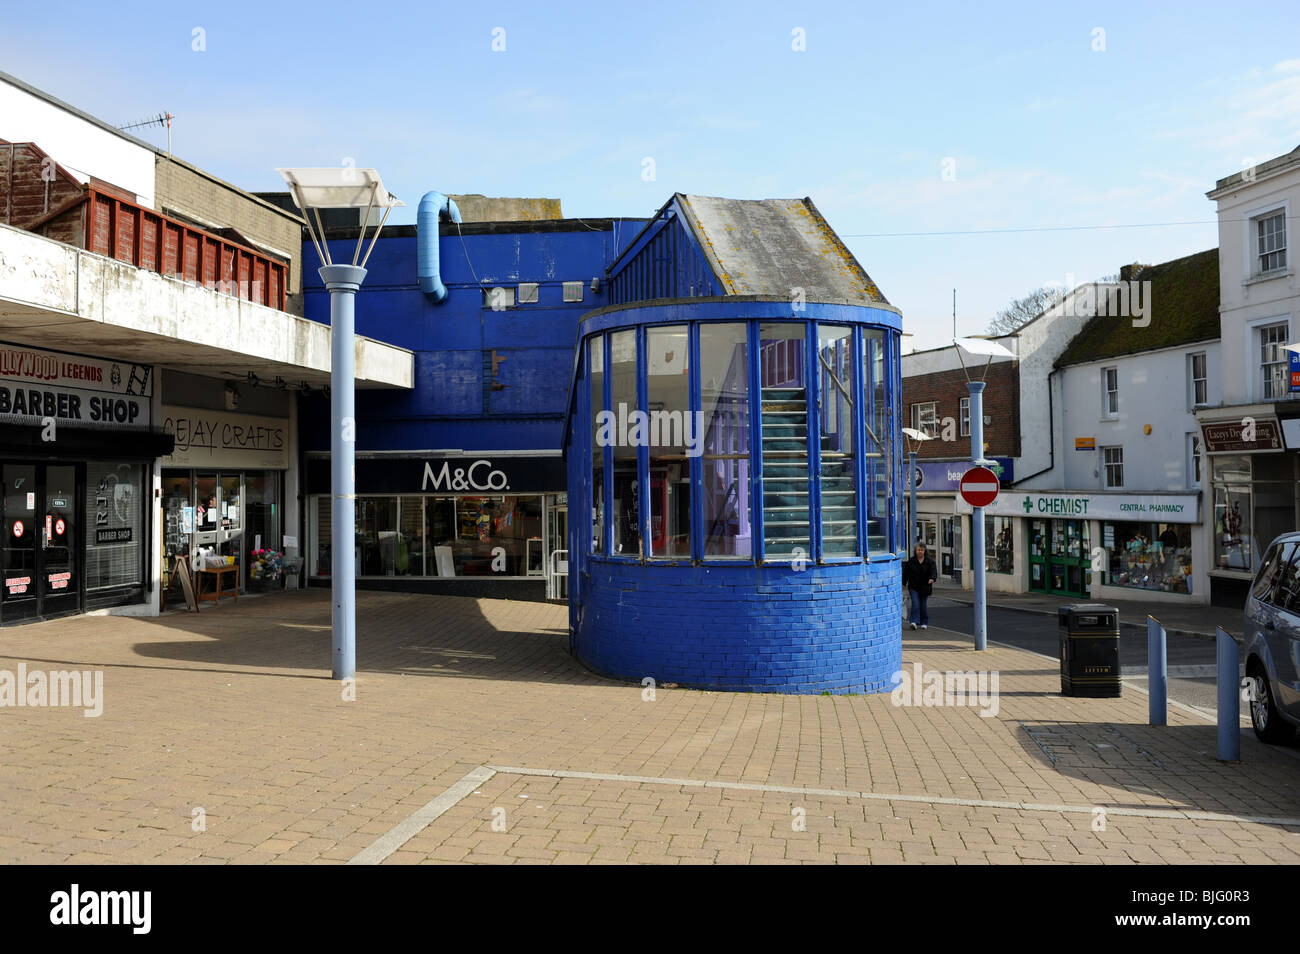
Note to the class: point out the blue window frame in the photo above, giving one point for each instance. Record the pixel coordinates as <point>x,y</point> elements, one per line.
<point>846,427</point>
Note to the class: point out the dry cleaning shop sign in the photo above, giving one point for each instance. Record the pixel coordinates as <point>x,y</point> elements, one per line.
<point>70,388</point>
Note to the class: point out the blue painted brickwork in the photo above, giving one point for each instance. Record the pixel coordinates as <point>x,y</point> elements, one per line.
<point>761,629</point>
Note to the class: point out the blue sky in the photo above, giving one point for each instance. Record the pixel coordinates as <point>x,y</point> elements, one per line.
<point>1043,130</point>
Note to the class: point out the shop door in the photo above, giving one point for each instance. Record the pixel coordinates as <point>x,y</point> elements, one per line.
<point>1038,530</point>
<point>945,547</point>
<point>42,542</point>
<point>19,601</point>
<point>60,574</point>
<point>557,557</point>
<point>1068,567</point>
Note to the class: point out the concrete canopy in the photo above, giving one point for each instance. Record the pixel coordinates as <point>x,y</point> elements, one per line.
<point>60,297</point>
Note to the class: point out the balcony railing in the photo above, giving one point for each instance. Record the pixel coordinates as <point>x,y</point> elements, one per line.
<point>147,239</point>
<point>41,196</point>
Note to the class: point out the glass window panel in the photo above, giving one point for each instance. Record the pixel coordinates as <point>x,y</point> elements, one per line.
<point>1149,556</point>
<point>724,395</point>
<point>1233,542</point>
<point>322,521</point>
<point>113,541</point>
<point>176,536</point>
<point>262,512</point>
<point>878,453</point>
<point>999,545</point>
<point>480,536</point>
<point>377,530</point>
<point>623,397</point>
<point>596,365</point>
<point>785,441</point>
<point>836,421</point>
<point>674,437</point>
<point>410,537</point>
<point>231,518</point>
<point>18,597</point>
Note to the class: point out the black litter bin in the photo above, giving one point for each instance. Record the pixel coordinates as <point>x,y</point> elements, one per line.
<point>1089,634</point>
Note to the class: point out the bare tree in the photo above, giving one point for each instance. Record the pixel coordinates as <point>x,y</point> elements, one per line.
<point>1024,310</point>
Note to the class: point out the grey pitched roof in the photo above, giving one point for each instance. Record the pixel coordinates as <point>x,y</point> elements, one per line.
<point>769,246</point>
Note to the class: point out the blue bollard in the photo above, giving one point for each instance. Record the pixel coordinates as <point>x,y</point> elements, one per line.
<point>1229,698</point>
<point>1157,673</point>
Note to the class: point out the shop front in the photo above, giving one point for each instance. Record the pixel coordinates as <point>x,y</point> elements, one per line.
<point>493,523</point>
<point>1254,471</point>
<point>1083,545</point>
<point>77,452</point>
<point>223,495</point>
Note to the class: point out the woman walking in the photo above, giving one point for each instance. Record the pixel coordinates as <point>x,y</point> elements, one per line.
<point>919,575</point>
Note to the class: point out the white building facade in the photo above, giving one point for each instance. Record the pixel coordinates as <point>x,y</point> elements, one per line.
<point>1114,509</point>
<point>1252,437</point>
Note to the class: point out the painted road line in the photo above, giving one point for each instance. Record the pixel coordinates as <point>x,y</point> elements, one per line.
<point>418,820</point>
<point>1167,813</point>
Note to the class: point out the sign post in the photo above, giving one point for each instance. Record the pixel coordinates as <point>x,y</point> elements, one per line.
<point>981,482</point>
<point>979,488</point>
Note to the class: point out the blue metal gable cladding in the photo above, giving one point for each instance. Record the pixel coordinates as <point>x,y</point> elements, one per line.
<point>664,261</point>
<point>484,379</point>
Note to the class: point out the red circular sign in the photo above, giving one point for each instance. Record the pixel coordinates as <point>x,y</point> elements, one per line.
<point>60,526</point>
<point>979,486</point>
<point>18,528</point>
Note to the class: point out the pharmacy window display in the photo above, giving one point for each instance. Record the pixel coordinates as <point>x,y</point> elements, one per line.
<point>1149,556</point>
<point>999,545</point>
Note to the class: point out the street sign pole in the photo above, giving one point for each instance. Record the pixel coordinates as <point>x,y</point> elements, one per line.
<point>977,514</point>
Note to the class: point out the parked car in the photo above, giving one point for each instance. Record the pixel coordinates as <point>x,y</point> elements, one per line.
<point>1271,637</point>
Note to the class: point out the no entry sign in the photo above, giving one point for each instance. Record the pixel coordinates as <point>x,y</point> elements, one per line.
<point>979,487</point>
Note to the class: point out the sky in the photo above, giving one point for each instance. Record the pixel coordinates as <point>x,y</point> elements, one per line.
<point>1014,132</point>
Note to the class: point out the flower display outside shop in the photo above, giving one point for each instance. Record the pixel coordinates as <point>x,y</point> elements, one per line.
<point>266,569</point>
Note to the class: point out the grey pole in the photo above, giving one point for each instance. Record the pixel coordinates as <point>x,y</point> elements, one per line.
<point>343,282</point>
<point>1229,692</point>
<point>1157,673</point>
<point>977,514</point>
<point>911,523</point>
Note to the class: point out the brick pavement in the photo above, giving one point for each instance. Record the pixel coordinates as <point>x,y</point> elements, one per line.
<point>232,712</point>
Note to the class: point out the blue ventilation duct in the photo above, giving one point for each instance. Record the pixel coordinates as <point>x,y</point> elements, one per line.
<point>434,206</point>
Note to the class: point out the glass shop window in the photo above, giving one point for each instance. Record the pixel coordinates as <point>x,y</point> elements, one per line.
<point>879,454</point>
<point>1149,556</point>
<point>623,397</point>
<point>674,437</point>
<point>784,393</point>
<point>724,397</point>
<point>836,419</point>
<point>999,545</point>
<point>481,536</point>
<point>113,543</point>
<point>596,366</point>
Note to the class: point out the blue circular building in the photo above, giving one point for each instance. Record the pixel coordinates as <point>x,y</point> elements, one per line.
<point>734,467</point>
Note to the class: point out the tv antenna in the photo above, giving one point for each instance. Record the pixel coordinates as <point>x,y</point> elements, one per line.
<point>162,119</point>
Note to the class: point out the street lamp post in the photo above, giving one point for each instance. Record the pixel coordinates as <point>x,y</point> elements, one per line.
<point>313,190</point>
<point>914,440</point>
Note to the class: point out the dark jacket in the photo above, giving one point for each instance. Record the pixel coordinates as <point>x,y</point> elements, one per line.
<point>917,575</point>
